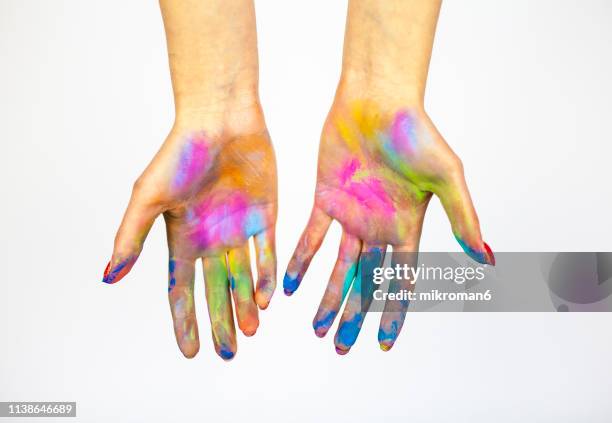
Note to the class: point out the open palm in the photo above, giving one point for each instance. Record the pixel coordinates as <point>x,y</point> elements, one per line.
<point>376,174</point>
<point>215,191</point>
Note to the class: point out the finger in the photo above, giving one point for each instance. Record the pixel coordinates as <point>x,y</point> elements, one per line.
<point>457,203</point>
<point>180,293</point>
<point>135,226</point>
<point>359,298</point>
<point>339,283</point>
<point>266,267</point>
<point>309,243</point>
<point>241,284</point>
<point>219,306</point>
<point>395,310</point>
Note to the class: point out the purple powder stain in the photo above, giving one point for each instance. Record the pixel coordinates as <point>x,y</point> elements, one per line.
<point>403,137</point>
<point>192,164</point>
<point>220,223</point>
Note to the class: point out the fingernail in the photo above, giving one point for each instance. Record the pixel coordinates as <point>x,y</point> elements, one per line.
<point>109,276</point>
<point>320,332</point>
<point>106,271</point>
<point>489,254</point>
<point>482,255</point>
<point>225,353</point>
<point>115,272</point>
<point>342,351</point>
<point>385,347</point>
<point>290,283</point>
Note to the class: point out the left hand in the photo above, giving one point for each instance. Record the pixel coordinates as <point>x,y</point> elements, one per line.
<point>378,168</point>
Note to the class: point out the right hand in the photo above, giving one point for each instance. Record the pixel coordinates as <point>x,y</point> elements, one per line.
<point>216,187</point>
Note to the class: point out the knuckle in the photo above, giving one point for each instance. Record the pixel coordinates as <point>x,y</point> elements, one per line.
<point>139,185</point>
<point>145,189</point>
<point>454,168</point>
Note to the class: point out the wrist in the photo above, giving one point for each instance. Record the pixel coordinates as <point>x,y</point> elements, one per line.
<point>386,87</point>
<point>236,115</point>
<point>387,49</point>
<point>216,91</point>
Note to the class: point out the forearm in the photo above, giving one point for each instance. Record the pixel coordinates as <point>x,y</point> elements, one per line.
<point>212,49</point>
<point>387,48</point>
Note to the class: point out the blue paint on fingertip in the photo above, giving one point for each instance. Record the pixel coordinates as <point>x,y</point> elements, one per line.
<point>290,284</point>
<point>389,335</point>
<point>225,353</point>
<point>349,330</point>
<point>479,256</point>
<point>320,326</point>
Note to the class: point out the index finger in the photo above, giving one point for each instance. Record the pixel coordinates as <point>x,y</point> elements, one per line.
<point>308,245</point>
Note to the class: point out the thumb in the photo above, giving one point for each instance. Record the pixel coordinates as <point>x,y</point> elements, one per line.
<point>457,203</point>
<point>134,228</point>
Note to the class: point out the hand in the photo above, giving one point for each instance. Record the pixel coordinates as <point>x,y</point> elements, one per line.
<point>216,188</point>
<point>378,168</point>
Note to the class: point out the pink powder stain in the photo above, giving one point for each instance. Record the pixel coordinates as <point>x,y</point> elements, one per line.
<point>193,162</point>
<point>402,133</point>
<point>369,191</point>
<point>218,224</point>
<point>348,170</point>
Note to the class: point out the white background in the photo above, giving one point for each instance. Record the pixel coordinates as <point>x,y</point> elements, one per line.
<point>520,89</point>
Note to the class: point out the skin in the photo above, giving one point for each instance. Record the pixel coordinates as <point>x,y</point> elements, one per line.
<point>213,179</point>
<point>381,159</point>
